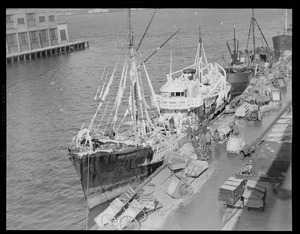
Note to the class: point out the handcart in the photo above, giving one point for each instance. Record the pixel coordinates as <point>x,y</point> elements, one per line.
<point>136,213</point>
<point>179,186</point>
<point>126,212</point>
<point>108,218</point>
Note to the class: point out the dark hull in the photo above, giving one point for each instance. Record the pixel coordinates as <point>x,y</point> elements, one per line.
<point>239,82</point>
<point>110,173</point>
<point>281,43</point>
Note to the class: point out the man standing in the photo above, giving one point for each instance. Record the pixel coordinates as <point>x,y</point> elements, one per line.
<point>216,136</point>
<point>189,132</point>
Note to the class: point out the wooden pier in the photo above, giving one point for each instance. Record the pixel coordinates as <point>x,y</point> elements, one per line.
<point>47,51</point>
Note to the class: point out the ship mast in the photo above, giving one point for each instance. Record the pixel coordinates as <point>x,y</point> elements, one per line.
<point>133,75</point>
<point>252,26</point>
<point>198,58</point>
<point>252,20</point>
<point>285,25</point>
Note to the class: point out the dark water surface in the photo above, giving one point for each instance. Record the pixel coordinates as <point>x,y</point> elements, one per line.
<point>48,100</point>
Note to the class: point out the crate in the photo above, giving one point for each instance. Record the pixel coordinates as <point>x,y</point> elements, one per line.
<point>228,194</point>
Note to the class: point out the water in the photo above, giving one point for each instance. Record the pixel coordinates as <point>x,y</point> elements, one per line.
<point>49,99</point>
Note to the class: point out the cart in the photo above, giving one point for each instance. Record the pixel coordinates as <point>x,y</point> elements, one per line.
<point>179,186</point>
<point>231,191</point>
<point>108,218</point>
<point>254,195</point>
<point>126,212</point>
<point>136,213</point>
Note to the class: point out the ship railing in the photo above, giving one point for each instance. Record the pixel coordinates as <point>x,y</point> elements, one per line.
<point>184,103</point>
<point>160,153</point>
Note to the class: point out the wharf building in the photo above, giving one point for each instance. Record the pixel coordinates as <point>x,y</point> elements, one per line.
<point>32,33</point>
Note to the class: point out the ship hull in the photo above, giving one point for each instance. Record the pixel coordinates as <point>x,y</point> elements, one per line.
<point>239,82</point>
<point>281,43</point>
<point>109,173</point>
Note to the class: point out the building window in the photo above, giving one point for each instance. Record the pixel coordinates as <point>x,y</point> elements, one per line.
<point>63,35</point>
<point>11,40</point>
<point>53,34</point>
<point>21,21</point>
<point>42,19</point>
<point>31,16</point>
<point>43,35</point>
<point>23,38</point>
<point>34,37</point>
<point>51,18</point>
<point>9,19</point>
<point>31,19</point>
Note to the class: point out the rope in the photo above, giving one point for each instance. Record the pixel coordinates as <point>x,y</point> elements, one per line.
<point>87,192</point>
<point>184,61</point>
<point>100,181</point>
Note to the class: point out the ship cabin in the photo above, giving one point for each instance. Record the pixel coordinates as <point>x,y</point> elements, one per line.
<point>182,93</point>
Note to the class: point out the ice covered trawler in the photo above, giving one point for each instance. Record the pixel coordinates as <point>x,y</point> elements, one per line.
<point>109,157</point>
<point>199,90</point>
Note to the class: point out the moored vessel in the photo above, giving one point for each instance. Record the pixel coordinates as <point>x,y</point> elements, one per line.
<point>238,72</point>
<point>284,41</point>
<point>109,157</point>
<point>194,93</point>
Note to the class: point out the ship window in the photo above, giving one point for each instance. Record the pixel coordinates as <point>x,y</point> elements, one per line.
<point>172,94</point>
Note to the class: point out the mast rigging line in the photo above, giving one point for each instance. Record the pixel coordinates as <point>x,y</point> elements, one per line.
<point>158,48</point>
<point>181,41</point>
<point>145,32</point>
<point>252,26</point>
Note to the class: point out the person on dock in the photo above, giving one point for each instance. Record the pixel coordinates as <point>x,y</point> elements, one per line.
<point>171,123</point>
<point>235,128</point>
<point>216,136</point>
<point>189,132</point>
<point>203,142</point>
<point>208,138</point>
<point>177,121</point>
<point>195,142</point>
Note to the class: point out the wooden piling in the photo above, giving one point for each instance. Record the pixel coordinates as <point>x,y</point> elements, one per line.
<point>44,52</point>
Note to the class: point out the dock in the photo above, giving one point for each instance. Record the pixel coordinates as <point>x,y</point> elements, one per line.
<point>236,217</point>
<point>272,158</point>
<point>47,51</point>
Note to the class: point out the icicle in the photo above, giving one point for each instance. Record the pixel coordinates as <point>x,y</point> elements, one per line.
<point>104,95</point>
<point>125,114</point>
<point>120,90</point>
<point>152,90</point>
<point>95,98</point>
<point>100,95</point>
<point>82,126</point>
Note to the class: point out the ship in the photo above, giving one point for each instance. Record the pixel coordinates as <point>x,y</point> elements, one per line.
<point>237,73</point>
<point>245,66</point>
<point>284,41</point>
<point>195,93</point>
<point>109,157</point>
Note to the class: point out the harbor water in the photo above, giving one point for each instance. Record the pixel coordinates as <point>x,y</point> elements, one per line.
<point>49,99</point>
